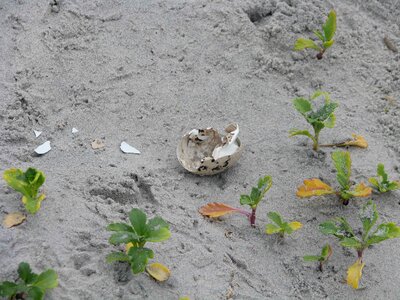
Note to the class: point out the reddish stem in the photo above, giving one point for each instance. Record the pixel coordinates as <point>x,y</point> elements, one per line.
<point>253,217</point>
<point>360,254</point>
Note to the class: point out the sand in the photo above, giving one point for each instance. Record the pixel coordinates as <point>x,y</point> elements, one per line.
<point>146,72</point>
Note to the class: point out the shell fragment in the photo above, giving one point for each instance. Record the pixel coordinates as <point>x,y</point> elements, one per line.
<point>74,130</point>
<point>43,148</point>
<point>37,133</point>
<point>126,148</point>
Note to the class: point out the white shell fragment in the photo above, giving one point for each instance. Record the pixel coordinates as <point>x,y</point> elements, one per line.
<point>37,133</point>
<point>126,148</point>
<point>206,152</point>
<point>74,130</point>
<point>43,148</point>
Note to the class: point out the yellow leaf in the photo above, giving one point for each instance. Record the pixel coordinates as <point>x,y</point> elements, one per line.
<point>158,271</point>
<point>361,190</point>
<point>13,219</point>
<point>128,246</point>
<point>313,187</point>
<point>354,273</point>
<point>216,209</point>
<point>357,141</point>
<point>295,225</point>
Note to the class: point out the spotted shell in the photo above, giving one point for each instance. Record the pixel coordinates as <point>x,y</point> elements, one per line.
<point>206,152</point>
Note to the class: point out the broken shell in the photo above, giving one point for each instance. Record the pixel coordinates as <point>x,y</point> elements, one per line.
<point>206,152</point>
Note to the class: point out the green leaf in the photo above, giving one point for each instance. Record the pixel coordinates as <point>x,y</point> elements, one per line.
<point>339,228</point>
<point>271,229</point>
<point>383,232</point>
<point>319,93</point>
<point>35,293</point>
<point>119,227</point>
<point>330,122</point>
<point>352,242</point>
<point>138,258</point>
<point>302,105</point>
<point>294,132</point>
<point>394,185</point>
<point>254,195</point>
<point>46,280</point>
<point>245,200</point>
<point>158,230</point>
<point>275,217</point>
<point>8,289</point>
<point>342,163</point>
<point>323,113</point>
<point>328,227</point>
<point>326,251</point>
<point>116,256</point>
<point>374,182</point>
<point>319,35</point>
<point>138,220</point>
<point>328,44</point>
<point>303,43</point>
<point>330,26</point>
<point>312,258</point>
<point>25,273</point>
<point>123,237</point>
<point>368,216</point>
<point>380,170</point>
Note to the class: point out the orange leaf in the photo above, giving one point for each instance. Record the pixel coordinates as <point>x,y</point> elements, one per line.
<point>313,187</point>
<point>216,209</point>
<point>13,219</point>
<point>357,141</point>
<point>361,190</point>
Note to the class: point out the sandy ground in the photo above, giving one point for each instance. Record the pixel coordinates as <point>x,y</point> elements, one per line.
<point>148,71</point>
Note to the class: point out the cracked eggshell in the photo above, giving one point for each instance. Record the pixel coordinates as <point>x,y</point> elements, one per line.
<point>206,152</point>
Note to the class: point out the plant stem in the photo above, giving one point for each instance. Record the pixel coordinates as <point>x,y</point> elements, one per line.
<point>253,217</point>
<point>316,138</point>
<point>360,254</point>
<point>321,53</point>
<point>321,266</point>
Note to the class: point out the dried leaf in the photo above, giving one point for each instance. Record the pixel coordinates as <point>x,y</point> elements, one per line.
<point>361,190</point>
<point>158,271</point>
<point>295,225</point>
<point>313,187</point>
<point>354,273</point>
<point>98,144</point>
<point>13,219</point>
<point>216,209</point>
<point>357,141</point>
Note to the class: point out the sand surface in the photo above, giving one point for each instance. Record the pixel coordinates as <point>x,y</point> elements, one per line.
<point>146,72</point>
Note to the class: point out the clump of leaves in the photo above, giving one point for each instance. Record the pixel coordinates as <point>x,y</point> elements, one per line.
<point>316,187</point>
<point>280,226</point>
<point>322,258</point>
<point>318,117</point>
<point>28,184</point>
<point>383,184</point>
<point>217,209</point>
<point>370,235</point>
<point>30,285</point>
<point>135,235</point>
<point>325,37</point>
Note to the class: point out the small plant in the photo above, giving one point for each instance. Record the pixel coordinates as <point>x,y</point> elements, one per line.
<point>326,253</point>
<point>217,209</point>
<point>326,37</point>
<point>134,236</point>
<point>316,187</point>
<point>382,184</point>
<point>28,184</point>
<point>318,118</point>
<point>30,285</point>
<point>281,226</point>
<point>341,229</point>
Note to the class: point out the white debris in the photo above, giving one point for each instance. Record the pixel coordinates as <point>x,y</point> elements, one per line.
<point>37,133</point>
<point>74,130</point>
<point>43,148</point>
<point>126,148</point>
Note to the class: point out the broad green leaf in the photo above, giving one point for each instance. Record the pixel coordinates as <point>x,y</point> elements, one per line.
<point>393,185</point>
<point>313,187</point>
<point>275,217</point>
<point>25,273</point>
<point>117,256</point>
<point>319,35</point>
<point>323,113</point>
<point>271,229</point>
<point>383,232</point>
<point>328,227</point>
<point>374,182</point>
<point>254,195</point>
<point>328,44</point>
<point>303,43</point>
<point>330,26</point>
<point>245,200</point>
<point>330,122</point>
<point>302,105</point>
<point>339,228</point>
<point>264,184</point>
<point>123,237</point>
<point>380,170</point>
<point>352,242</point>
<point>35,293</point>
<point>46,280</point>
<point>138,258</point>
<point>119,227</point>
<point>157,223</point>
<point>368,216</point>
<point>342,163</point>
<point>354,273</point>
<point>294,132</point>
<point>8,289</point>
<point>138,220</point>
<point>312,258</point>
<point>159,235</point>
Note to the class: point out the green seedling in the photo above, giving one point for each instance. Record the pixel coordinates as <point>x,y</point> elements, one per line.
<point>370,235</point>
<point>316,187</point>
<point>325,37</point>
<point>318,117</point>
<point>326,253</point>
<point>28,184</point>
<point>135,235</point>
<point>217,209</point>
<point>382,184</point>
<point>281,227</point>
<point>30,285</point>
